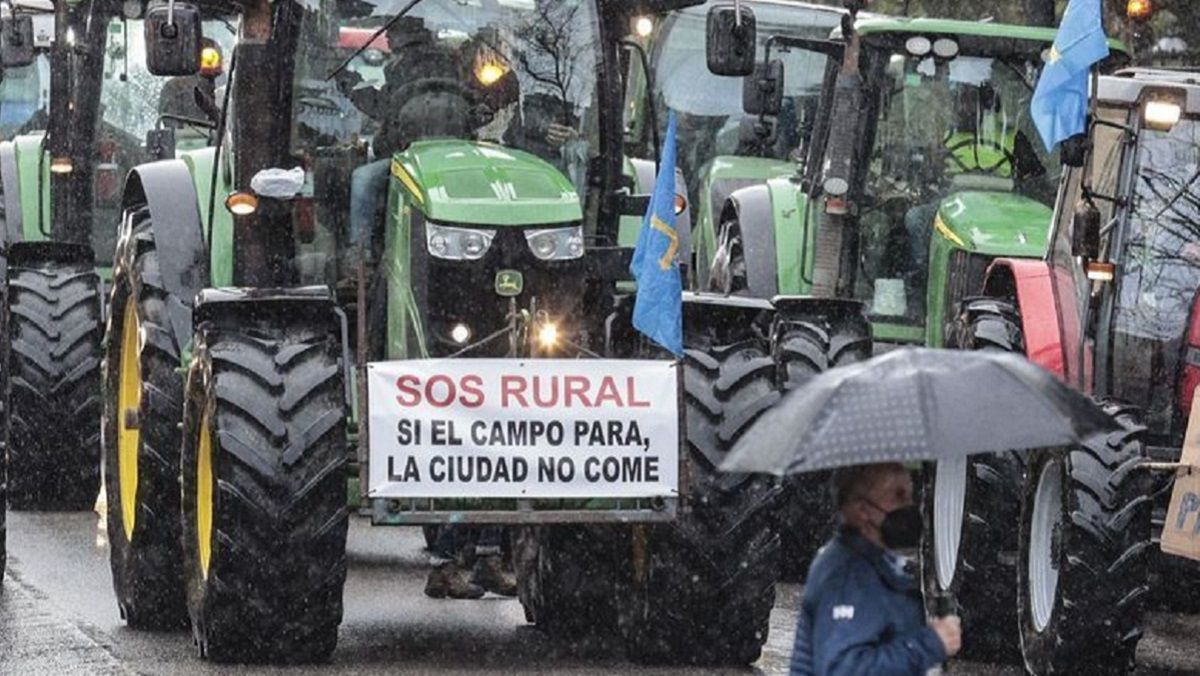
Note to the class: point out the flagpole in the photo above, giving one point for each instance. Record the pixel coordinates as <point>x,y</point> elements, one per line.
<point>1093,96</point>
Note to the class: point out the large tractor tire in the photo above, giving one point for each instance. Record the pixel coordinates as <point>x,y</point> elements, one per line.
<point>704,586</point>
<point>264,491</point>
<point>971,510</point>
<point>565,577</point>
<point>53,411</point>
<point>1085,540</point>
<point>803,350</point>
<point>143,404</point>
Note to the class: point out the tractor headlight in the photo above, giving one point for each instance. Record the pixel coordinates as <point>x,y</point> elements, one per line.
<point>457,244</point>
<point>556,244</point>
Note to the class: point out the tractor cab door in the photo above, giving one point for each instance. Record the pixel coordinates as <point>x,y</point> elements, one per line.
<point>1158,264</point>
<point>1077,298</point>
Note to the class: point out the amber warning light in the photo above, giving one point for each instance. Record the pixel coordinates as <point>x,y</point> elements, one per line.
<point>1139,10</point>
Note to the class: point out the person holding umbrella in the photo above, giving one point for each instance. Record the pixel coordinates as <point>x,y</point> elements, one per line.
<point>861,612</point>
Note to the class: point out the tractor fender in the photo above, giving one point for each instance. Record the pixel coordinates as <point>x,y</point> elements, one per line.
<point>832,309</point>
<point>312,304</point>
<point>645,176</point>
<point>847,314</point>
<point>1030,284</point>
<point>752,207</point>
<point>13,220</point>
<point>168,190</point>
<point>717,319</point>
<point>306,307</point>
<point>58,252</point>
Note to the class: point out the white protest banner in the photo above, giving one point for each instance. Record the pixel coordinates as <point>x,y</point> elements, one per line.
<point>511,428</point>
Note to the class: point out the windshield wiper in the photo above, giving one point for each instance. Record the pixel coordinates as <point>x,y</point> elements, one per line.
<point>376,34</point>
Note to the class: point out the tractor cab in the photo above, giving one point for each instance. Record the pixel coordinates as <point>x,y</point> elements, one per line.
<point>1125,249</point>
<point>52,96</point>
<point>924,165</point>
<point>462,101</point>
<point>952,172</point>
<point>726,140</point>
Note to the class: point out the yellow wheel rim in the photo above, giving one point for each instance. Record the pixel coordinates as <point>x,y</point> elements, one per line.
<point>204,495</point>
<point>129,398</point>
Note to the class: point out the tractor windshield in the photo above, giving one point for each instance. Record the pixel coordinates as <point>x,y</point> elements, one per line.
<point>516,72</point>
<point>942,127</point>
<point>709,107</point>
<point>946,125</point>
<point>1159,267</point>
<point>132,100</point>
<point>24,97</point>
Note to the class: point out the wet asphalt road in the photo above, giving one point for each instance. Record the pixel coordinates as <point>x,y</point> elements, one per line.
<point>57,616</point>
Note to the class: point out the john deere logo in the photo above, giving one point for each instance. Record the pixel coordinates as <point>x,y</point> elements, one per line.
<point>509,283</point>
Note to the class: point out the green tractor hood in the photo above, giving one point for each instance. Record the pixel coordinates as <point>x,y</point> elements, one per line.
<point>464,182</point>
<point>994,223</point>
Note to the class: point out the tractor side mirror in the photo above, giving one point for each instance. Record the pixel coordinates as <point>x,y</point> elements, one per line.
<point>730,40</point>
<point>16,41</point>
<point>1085,231</point>
<point>1074,150</point>
<point>173,39</point>
<point>762,92</point>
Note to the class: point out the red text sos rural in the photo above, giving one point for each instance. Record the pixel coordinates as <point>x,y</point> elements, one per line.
<point>520,391</point>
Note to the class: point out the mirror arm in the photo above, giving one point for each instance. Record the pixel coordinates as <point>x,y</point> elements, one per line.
<point>651,111</point>
<point>762,115</point>
<point>1090,195</point>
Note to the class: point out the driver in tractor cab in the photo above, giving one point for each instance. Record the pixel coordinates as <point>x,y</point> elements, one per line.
<point>986,141</point>
<point>178,95</point>
<point>418,100</point>
<point>983,149</point>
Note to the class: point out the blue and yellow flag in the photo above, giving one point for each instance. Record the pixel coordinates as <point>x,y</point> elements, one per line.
<point>658,307</point>
<point>1060,102</point>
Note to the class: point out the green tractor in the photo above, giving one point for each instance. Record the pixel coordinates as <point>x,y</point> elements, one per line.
<point>922,168</point>
<point>345,318</point>
<point>60,181</point>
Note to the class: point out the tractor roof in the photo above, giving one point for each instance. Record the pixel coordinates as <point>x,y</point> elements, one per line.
<point>793,4</point>
<point>1007,37</point>
<point>1128,87</point>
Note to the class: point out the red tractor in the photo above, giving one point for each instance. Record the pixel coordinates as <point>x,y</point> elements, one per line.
<point>1113,310</point>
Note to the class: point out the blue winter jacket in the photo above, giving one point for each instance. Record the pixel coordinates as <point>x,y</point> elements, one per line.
<point>862,615</point>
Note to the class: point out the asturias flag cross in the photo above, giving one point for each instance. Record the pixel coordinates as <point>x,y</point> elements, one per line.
<point>658,307</point>
<point>1059,106</point>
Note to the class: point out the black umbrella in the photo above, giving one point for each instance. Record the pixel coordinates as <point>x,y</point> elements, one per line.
<point>917,404</point>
